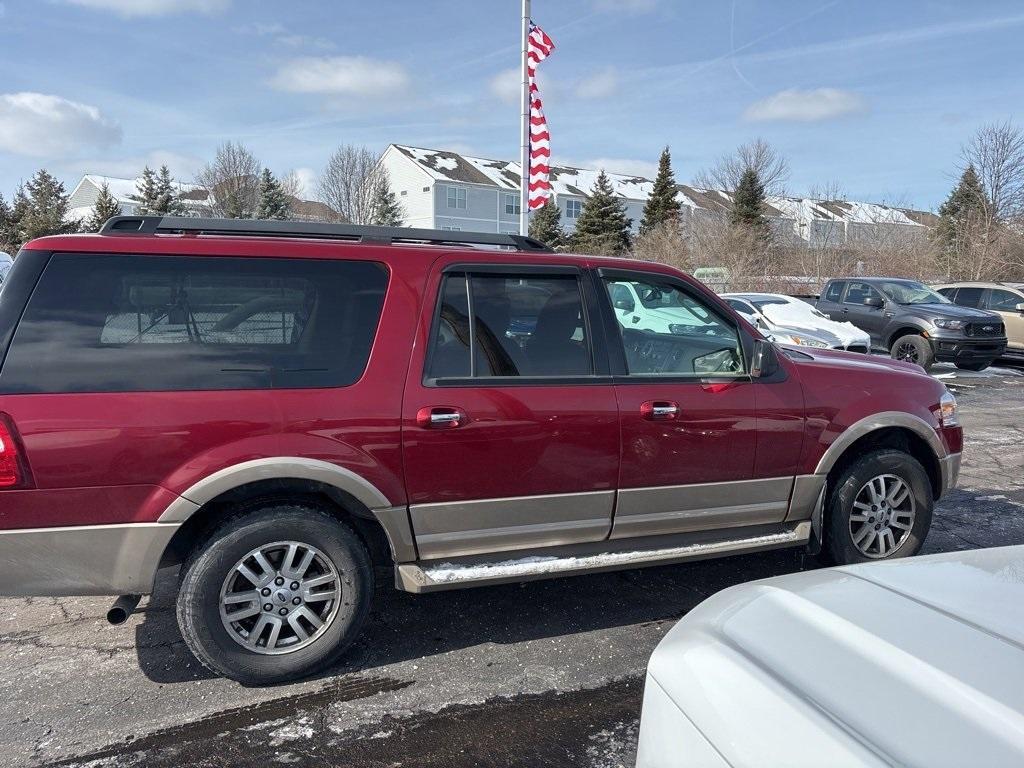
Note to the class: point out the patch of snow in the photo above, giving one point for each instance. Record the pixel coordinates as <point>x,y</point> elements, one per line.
<point>445,573</point>
<point>300,729</point>
<point>800,314</point>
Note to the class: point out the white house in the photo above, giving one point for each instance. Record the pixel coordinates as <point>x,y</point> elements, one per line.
<point>82,199</point>
<point>448,190</point>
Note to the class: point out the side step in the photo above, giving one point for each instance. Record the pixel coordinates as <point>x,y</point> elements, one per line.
<point>433,576</point>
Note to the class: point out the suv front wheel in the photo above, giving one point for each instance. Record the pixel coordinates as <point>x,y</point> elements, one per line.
<point>275,594</point>
<point>880,509</point>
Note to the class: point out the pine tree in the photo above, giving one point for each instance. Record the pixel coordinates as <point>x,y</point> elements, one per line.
<point>386,210</point>
<point>603,227</point>
<point>748,204</point>
<point>273,202</point>
<point>44,204</point>
<point>962,220</point>
<point>167,200</point>
<point>662,205</point>
<point>147,193</point>
<point>546,225</point>
<point>7,227</point>
<point>106,207</point>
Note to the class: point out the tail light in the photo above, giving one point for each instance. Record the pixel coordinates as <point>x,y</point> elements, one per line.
<point>14,472</point>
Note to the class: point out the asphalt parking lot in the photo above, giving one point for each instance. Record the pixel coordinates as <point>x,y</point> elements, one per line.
<point>545,673</point>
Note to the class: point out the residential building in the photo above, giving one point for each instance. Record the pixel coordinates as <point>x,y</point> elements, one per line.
<point>448,190</point>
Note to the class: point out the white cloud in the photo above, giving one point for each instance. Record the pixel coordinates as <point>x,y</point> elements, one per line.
<point>598,85</point>
<point>505,85</point>
<point>283,36</point>
<point>154,7</point>
<point>306,178</point>
<point>808,106</point>
<point>41,125</point>
<point>342,75</point>
<point>625,6</point>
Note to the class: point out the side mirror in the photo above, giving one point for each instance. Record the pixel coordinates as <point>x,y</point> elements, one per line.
<point>759,360</point>
<point>625,304</point>
<point>874,301</point>
<point>1020,308</point>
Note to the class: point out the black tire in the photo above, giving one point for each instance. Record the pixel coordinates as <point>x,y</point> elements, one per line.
<point>839,546</point>
<point>204,574</point>
<point>973,366</point>
<point>913,349</point>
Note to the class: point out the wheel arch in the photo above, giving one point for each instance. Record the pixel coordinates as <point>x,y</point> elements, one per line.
<point>900,430</point>
<point>384,528</point>
<point>903,330</point>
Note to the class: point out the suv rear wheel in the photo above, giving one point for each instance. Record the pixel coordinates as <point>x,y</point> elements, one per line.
<point>275,594</point>
<point>913,349</point>
<point>880,509</point>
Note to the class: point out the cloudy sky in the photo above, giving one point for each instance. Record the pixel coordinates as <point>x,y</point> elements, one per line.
<point>875,96</point>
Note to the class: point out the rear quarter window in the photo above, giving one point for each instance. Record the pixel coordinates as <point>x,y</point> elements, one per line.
<point>106,323</point>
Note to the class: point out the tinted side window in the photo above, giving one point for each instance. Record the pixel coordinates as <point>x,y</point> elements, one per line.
<point>969,297</point>
<point>1003,301</point>
<point>675,334</point>
<point>857,292</point>
<point>834,291</point>
<point>510,325</point>
<point>98,323</point>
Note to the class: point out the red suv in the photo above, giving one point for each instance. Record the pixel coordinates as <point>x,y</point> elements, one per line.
<point>278,407</point>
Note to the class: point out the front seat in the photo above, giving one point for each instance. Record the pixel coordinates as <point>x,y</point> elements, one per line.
<point>552,351</point>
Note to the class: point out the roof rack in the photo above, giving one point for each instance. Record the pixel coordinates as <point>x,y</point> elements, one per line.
<point>149,225</point>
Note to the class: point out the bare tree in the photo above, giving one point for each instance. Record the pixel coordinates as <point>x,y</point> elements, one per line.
<point>292,185</point>
<point>232,182</point>
<point>759,156</point>
<point>996,151</point>
<point>664,243</point>
<point>348,182</point>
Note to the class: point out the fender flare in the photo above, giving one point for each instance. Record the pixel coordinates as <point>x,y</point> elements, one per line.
<point>872,423</point>
<point>393,519</point>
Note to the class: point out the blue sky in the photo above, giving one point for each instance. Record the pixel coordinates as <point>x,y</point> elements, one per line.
<point>873,96</point>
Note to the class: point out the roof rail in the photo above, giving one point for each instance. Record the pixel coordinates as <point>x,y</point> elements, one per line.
<point>148,225</point>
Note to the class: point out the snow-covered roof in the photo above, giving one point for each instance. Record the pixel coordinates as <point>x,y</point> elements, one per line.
<point>566,180</point>
<point>124,190</point>
<point>444,165</point>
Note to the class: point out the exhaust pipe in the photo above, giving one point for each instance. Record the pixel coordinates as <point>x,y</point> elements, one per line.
<point>122,608</point>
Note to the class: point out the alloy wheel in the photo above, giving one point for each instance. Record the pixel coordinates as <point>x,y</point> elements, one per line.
<point>280,597</point>
<point>908,352</point>
<point>883,516</point>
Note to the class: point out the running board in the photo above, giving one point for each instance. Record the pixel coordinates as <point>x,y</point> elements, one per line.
<point>433,576</point>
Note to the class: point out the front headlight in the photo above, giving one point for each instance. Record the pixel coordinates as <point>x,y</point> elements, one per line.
<point>947,411</point>
<point>949,325</point>
<point>805,342</point>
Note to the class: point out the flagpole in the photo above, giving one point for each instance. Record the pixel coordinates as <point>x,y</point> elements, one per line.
<point>524,128</point>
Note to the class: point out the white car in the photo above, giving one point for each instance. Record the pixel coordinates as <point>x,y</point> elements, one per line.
<point>644,309</point>
<point>918,661</point>
<point>792,321</point>
<point>6,262</point>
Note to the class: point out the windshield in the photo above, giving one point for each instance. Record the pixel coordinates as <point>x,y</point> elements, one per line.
<point>909,292</point>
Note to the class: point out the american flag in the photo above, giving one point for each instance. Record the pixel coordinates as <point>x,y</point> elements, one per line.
<point>539,47</point>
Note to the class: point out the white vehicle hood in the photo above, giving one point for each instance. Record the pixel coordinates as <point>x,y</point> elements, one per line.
<point>794,316</point>
<point>913,662</point>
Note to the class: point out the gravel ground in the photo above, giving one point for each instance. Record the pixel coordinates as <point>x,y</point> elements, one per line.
<point>545,673</point>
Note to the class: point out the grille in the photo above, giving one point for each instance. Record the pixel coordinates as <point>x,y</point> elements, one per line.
<point>984,329</point>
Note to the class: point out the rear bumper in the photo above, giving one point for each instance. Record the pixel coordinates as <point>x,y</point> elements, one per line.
<point>950,468</point>
<point>82,560</point>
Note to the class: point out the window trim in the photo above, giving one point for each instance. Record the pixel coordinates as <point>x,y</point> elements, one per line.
<point>617,349</point>
<point>515,204</point>
<point>572,201</point>
<point>593,325</point>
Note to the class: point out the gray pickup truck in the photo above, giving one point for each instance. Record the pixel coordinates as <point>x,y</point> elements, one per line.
<point>912,322</point>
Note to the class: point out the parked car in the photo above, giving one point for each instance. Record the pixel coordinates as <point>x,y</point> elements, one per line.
<point>912,322</point>
<point>5,265</point>
<point>278,406</point>
<point>914,662</point>
<point>789,320</point>
<point>1005,299</point>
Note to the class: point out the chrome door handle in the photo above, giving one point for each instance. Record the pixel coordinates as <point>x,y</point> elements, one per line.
<point>440,417</point>
<point>659,410</point>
